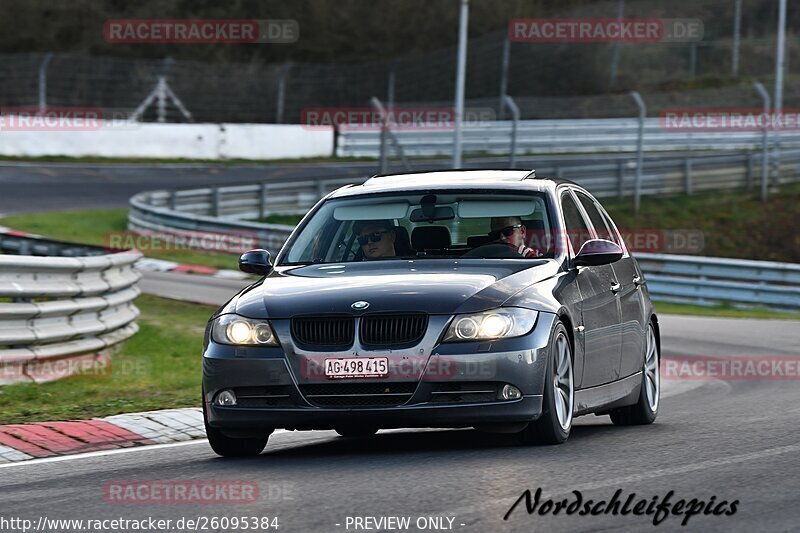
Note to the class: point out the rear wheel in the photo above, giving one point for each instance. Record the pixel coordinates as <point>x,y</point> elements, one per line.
<point>231,446</point>
<point>646,409</point>
<point>558,401</point>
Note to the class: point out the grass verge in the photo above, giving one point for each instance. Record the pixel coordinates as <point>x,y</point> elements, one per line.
<point>159,368</point>
<point>729,311</point>
<point>734,224</point>
<point>92,226</point>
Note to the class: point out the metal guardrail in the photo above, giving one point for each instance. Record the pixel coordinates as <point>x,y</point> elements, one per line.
<point>237,209</point>
<point>230,209</point>
<point>562,136</point>
<point>699,280</point>
<point>710,280</point>
<point>62,305</point>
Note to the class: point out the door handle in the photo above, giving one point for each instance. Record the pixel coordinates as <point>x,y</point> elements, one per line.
<point>615,287</point>
<point>638,281</point>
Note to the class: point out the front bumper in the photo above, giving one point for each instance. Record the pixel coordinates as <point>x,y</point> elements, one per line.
<point>520,362</point>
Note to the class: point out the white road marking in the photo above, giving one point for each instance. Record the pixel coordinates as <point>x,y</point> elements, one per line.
<point>671,390</point>
<point>103,453</point>
<point>89,455</point>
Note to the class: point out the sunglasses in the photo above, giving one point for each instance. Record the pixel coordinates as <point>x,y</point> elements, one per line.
<point>375,236</point>
<point>507,231</point>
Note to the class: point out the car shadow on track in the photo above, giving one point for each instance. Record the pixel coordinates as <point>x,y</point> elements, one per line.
<point>426,444</point>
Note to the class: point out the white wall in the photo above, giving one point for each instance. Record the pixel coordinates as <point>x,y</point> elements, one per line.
<point>191,141</point>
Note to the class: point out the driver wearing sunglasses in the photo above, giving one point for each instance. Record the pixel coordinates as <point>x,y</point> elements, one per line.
<point>376,238</point>
<point>508,240</point>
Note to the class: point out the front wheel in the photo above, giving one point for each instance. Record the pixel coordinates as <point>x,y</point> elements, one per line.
<point>555,423</point>
<point>230,446</point>
<point>646,409</point>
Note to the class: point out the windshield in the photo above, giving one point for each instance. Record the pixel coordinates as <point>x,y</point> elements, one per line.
<point>444,225</point>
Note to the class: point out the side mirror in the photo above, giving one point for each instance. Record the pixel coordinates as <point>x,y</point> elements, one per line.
<point>255,262</point>
<point>595,252</point>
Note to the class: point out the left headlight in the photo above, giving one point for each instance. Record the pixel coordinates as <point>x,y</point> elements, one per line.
<point>498,323</point>
<point>241,331</point>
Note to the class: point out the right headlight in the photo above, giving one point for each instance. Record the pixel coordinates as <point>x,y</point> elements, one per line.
<point>500,323</point>
<point>240,331</point>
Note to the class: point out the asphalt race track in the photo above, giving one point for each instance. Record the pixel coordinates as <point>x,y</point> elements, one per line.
<point>730,440</point>
<point>34,186</point>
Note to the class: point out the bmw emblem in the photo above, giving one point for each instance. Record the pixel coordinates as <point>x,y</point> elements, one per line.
<point>360,305</point>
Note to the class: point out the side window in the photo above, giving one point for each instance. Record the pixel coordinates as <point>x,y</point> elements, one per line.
<point>600,227</point>
<point>577,230</point>
<point>616,236</point>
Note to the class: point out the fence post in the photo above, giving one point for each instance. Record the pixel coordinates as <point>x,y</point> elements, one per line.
<point>461,75</point>
<point>737,25</point>
<point>262,200</point>
<point>281,97</point>
<point>215,201</point>
<point>621,179</point>
<point>688,175</point>
<point>390,92</point>
<point>43,82</point>
<point>173,200</point>
<point>507,100</point>
<point>615,46</point>
<point>504,76</point>
<point>764,141</point>
<point>637,193</point>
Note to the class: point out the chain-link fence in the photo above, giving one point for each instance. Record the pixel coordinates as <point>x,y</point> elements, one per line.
<point>547,80</point>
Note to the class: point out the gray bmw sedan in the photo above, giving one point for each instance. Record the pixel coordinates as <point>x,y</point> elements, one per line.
<point>489,298</point>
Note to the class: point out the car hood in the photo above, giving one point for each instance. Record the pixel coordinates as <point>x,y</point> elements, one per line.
<point>432,286</point>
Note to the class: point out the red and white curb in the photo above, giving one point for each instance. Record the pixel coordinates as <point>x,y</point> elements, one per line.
<point>21,442</point>
<point>158,265</point>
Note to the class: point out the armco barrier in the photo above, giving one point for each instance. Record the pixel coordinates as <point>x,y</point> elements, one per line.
<point>679,278</point>
<point>237,208</point>
<point>63,307</point>
<point>553,137</point>
<point>227,209</point>
<point>708,280</point>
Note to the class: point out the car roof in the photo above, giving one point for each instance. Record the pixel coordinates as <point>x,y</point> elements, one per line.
<point>452,179</point>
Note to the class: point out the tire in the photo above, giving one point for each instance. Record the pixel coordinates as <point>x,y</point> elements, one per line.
<point>646,408</point>
<point>356,431</point>
<point>558,401</point>
<point>229,446</point>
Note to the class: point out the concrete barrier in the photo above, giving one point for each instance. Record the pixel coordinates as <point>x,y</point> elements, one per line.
<point>162,141</point>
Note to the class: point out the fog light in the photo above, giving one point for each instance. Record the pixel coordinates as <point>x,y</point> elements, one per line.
<point>226,398</point>
<point>510,392</point>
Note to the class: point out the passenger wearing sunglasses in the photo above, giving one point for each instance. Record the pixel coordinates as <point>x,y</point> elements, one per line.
<point>376,238</point>
<point>508,241</point>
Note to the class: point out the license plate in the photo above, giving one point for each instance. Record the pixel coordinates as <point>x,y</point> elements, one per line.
<point>357,367</point>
